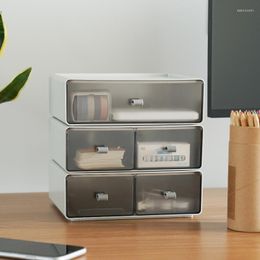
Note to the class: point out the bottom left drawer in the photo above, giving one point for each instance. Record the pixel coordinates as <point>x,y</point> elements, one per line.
<point>89,196</point>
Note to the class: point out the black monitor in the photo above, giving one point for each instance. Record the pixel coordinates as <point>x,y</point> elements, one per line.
<point>233,56</point>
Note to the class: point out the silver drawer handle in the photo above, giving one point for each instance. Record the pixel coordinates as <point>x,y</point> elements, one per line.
<point>101,196</point>
<point>102,149</point>
<point>170,148</point>
<point>136,102</point>
<point>169,194</point>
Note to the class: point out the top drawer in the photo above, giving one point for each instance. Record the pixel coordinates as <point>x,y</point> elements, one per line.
<point>128,101</point>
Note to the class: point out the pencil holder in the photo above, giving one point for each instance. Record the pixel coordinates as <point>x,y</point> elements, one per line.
<point>244,179</point>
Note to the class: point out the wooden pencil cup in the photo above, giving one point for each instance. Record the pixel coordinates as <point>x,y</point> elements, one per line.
<point>244,179</point>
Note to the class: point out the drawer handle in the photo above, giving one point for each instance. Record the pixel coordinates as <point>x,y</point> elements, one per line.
<point>170,148</point>
<point>136,102</point>
<point>101,196</point>
<point>102,149</point>
<point>169,194</point>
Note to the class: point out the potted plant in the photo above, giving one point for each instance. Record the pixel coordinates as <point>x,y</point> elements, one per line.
<point>11,91</point>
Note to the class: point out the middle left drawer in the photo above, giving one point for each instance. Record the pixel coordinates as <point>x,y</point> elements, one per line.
<point>92,149</point>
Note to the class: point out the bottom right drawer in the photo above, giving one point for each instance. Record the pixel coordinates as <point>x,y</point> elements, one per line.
<point>175,193</point>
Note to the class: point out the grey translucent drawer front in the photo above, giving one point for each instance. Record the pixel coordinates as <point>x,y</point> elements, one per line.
<point>89,196</point>
<point>134,101</point>
<point>99,149</point>
<point>179,193</point>
<point>169,148</point>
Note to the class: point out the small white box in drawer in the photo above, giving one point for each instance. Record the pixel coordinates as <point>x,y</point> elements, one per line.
<point>162,154</point>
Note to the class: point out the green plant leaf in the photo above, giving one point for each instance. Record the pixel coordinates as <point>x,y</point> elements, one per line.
<point>11,91</point>
<point>2,33</point>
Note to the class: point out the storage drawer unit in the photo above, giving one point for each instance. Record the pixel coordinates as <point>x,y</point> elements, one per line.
<point>106,149</point>
<point>125,145</point>
<point>127,195</point>
<point>104,98</point>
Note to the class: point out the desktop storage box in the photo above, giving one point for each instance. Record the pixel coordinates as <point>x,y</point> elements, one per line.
<point>124,148</point>
<point>127,194</point>
<point>125,145</point>
<point>125,98</point>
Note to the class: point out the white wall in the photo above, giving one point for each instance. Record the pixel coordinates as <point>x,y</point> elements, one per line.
<point>95,36</point>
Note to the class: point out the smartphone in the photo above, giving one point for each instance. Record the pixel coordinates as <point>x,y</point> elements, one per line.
<point>23,249</point>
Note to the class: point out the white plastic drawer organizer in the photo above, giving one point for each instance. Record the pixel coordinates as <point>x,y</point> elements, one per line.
<point>125,145</point>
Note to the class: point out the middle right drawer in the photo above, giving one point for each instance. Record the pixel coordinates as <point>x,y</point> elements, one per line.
<point>169,148</point>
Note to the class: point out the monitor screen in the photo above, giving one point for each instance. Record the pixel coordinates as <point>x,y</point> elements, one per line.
<point>233,56</point>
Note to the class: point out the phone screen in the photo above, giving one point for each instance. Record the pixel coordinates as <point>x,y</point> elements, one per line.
<point>30,248</point>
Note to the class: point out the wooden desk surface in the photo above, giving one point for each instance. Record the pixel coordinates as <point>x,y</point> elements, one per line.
<point>33,217</point>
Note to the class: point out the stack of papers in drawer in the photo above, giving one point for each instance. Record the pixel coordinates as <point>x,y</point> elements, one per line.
<point>88,158</point>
